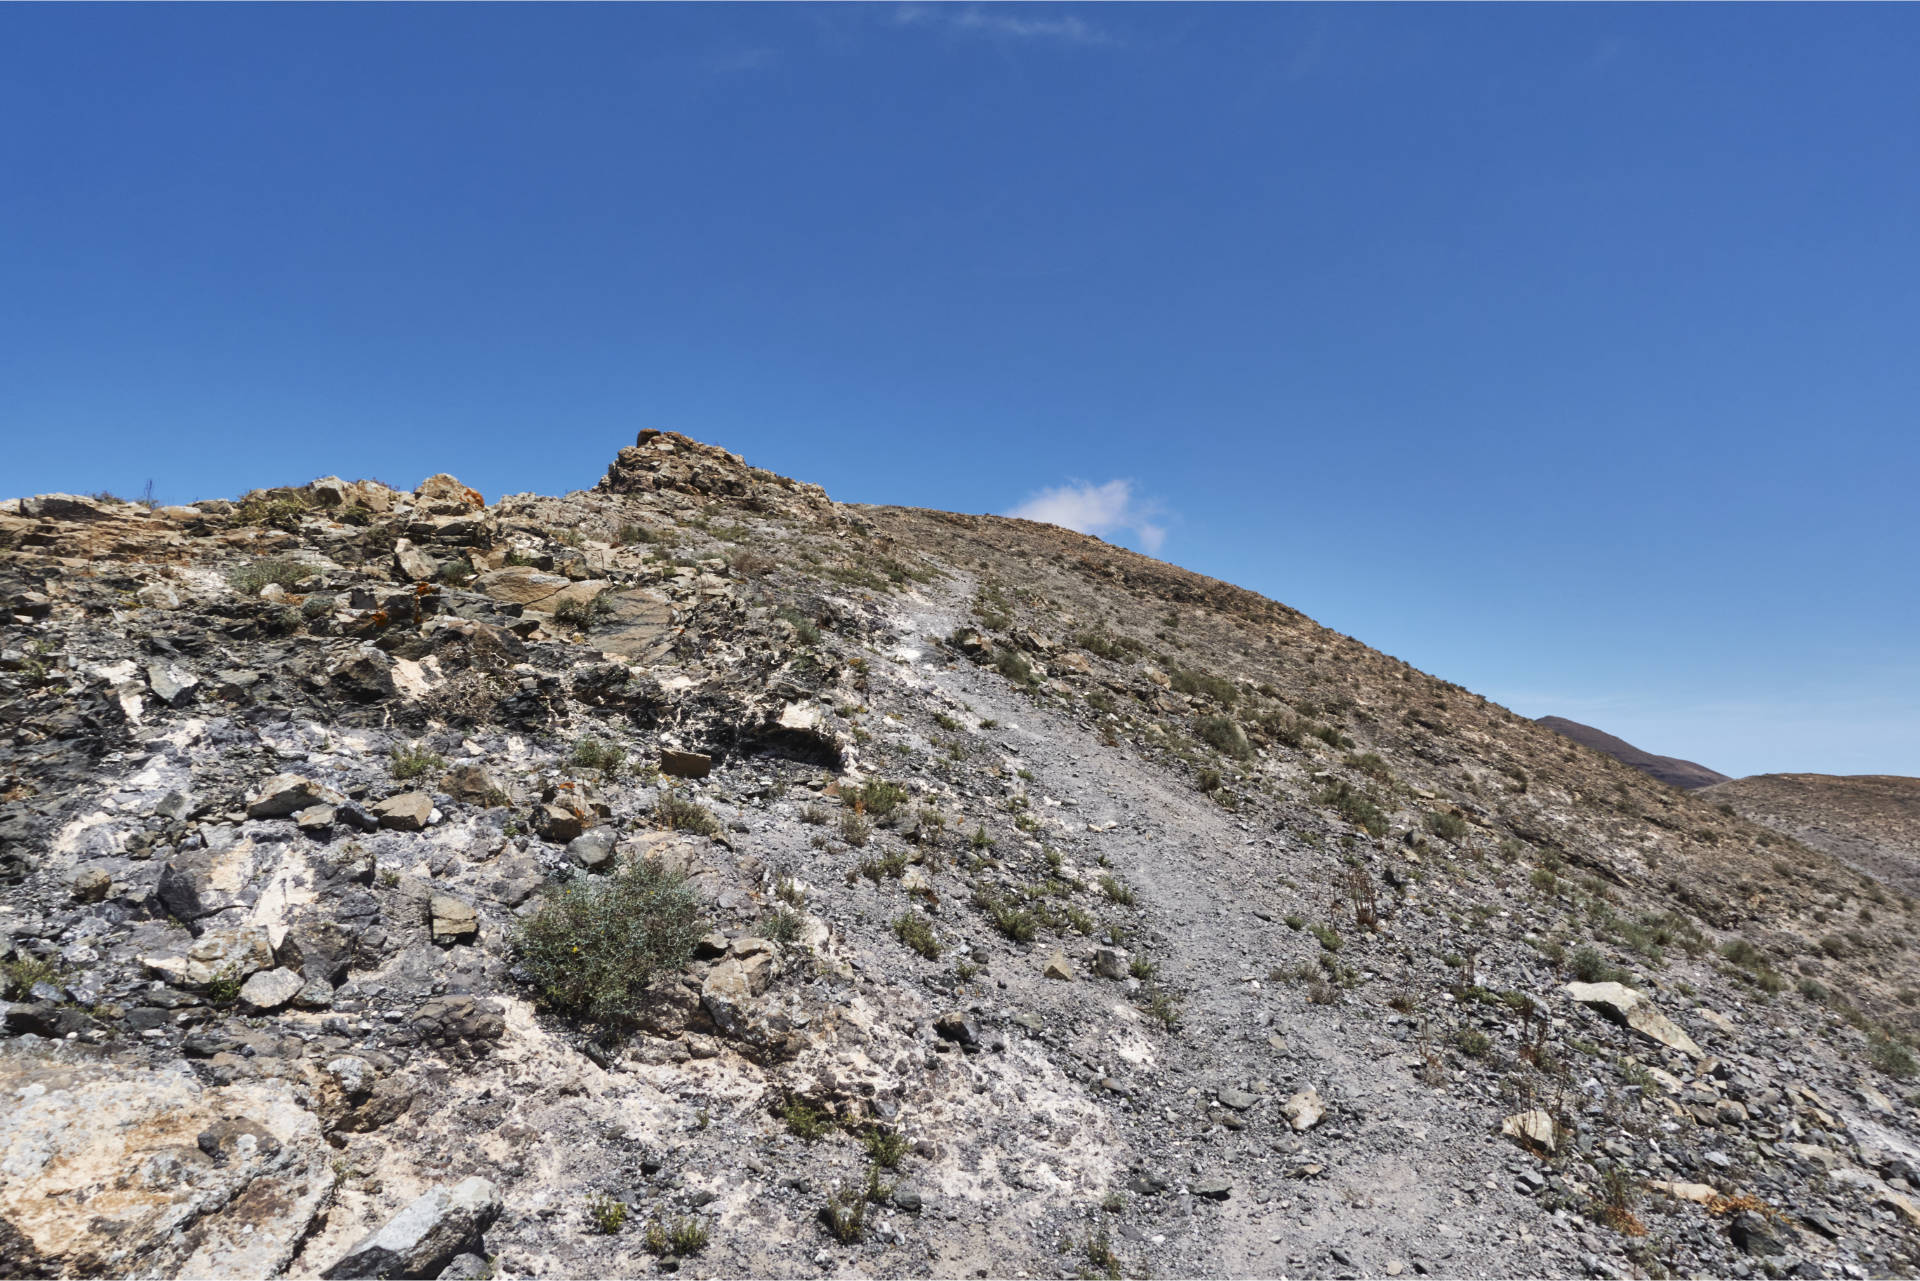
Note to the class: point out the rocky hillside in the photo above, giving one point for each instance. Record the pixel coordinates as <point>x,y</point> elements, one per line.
<point>1670,770</point>
<point>1870,821</point>
<point>698,874</point>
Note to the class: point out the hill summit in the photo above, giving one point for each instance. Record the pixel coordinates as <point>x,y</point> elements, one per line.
<point>697,873</point>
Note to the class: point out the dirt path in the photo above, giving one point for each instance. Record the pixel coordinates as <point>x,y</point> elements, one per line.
<point>1400,1176</point>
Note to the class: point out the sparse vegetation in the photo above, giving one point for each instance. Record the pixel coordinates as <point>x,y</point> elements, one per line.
<point>251,578</point>
<point>679,814</point>
<point>415,761</point>
<point>606,1214</point>
<point>597,754</point>
<point>913,929</point>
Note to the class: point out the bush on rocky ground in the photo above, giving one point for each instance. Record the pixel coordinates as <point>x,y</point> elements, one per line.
<point>593,945</point>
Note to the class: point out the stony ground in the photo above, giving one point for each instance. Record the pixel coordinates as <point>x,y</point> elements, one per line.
<point>1062,914</point>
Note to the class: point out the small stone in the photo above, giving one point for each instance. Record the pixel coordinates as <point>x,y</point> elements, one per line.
<point>593,850</point>
<point>315,818</point>
<point>170,683</point>
<point>1110,962</point>
<point>1752,1233</point>
<point>407,812</point>
<point>1535,1127</point>
<point>1238,1100</point>
<point>270,989</point>
<point>685,764</point>
<point>1213,1189</point>
<point>286,794</point>
<point>1057,967</point>
<point>957,1028</point>
<point>472,784</point>
<point>711,946</point>
<point>91,885</point>
<point>353,1075</point>
<point>1305,1109</point>
<point>908,1198</point>
<point>557,823</point>
<point>453,919</point>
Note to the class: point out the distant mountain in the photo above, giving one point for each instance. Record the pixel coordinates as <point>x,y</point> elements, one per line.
<point>1685,775</point>
<point>1869,820</point>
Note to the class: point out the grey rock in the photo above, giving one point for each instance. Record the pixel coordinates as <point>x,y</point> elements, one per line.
<point>1238,1100</point>
<point>422,1238</point>
<point>593,850</point>
<point>284,795</point>
<point>1213,1189</point>
<point>453,919</point>
<point>270,989</point>
<point>407,812</point>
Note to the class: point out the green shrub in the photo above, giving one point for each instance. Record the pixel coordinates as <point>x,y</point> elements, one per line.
<point>876,796</point>
<point>845,1215</point>
<point>682,815</point>
<point>855,830</point>
<point>1472,1042</point>
<point>1013,666</point>
<point>1447,825</point>
<point>1226,736</point>
<point>887,1147</point>
<point>1218,688</point>
<point>805,1121</point>
<point>1208,780</point>
<point>250,578</point>
<point>592,753</point>
<point>782,925</point>
<point>415,761</point>
<point>1891,1057</point>
<point>1016,923</point>
<point>1294,920</point>
<point>594,943</point>
<point>1588,966</point>
<point>912,929</point>
<point>606,1214</point>
<point>1370,764</point>
<point>1355,806</point>
<point>675,1238</point>
<point>1118,891</point>
<point>1329,937</point>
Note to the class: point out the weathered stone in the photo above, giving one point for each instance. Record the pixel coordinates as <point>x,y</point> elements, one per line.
<point>1213,1189</point>
<point>318,949</point>
<point>270,989</point>
<point>730,990</point>
<point>443,495</point>
<point>558,823</point>
<point>1110,962</point>
<point>1698,1193</point>
<point>685,764</point>
<point>472,784</point>
<point>1304,1110</point>
<point>413,565</point>
<point>1633,1009</point>
<point>170,682</point>
<point>315,818</point>
<point>1057,967</point>
<point>453,919</point>
<point>1752,1233</point>
<point>407,812</point>
<point>593,850</point>
<point>1238,1100</point>
<point>518,585</point>
<point>425,1235</point>
<point>91,884</point>
<point>287,794</point>
<point>957,1028</point>
<point>1534,1128</point>
<point>226,955</point>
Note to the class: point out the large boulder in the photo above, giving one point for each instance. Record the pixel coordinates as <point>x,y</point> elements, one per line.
<point>1623,1005</point>
<point>418,1241</point>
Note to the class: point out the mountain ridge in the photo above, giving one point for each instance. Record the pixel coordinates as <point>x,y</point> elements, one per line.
<point>1061,911</point>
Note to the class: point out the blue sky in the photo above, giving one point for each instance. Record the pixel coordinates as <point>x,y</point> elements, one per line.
<point>1566,352</point>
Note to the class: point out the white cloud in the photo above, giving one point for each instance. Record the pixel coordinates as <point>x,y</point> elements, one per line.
<point>1002,20</point>
<point>1097,509</point>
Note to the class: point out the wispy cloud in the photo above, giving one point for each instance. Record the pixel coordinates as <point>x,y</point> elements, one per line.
<point>1008,21</point>
<point>1098,509</point>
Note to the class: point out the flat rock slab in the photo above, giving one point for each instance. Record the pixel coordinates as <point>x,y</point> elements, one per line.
<point>685,764</point>
<point>407,812</point>
<point>1632,1009</point>
<point>1305,1109</point>
<point>424,1236</point>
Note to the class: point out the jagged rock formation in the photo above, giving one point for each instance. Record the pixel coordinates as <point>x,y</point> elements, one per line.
<point>1686,775</point>
<point>1059,911</point>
